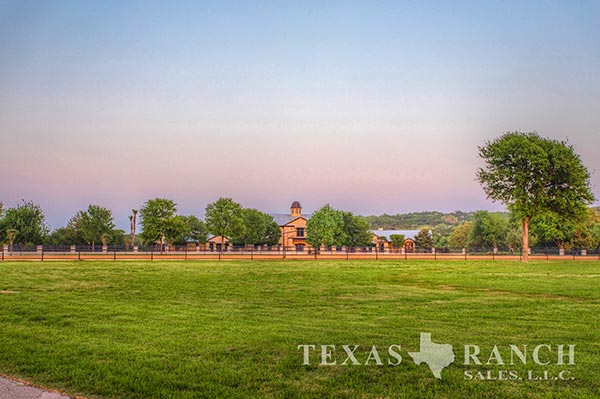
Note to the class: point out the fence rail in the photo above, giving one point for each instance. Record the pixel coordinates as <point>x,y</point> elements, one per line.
<point>87,252</point>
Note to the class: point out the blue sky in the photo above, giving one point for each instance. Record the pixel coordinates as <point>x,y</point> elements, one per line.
<point>372,106</point>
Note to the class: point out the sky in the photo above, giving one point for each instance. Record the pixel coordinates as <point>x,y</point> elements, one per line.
<point>374,106</point>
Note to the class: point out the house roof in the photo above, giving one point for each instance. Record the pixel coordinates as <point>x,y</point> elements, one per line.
<point>283,219</point>
<point>408,234</point>
<point>217,239</point>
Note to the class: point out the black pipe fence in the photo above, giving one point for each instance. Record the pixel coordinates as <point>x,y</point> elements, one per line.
<point>184,252</point>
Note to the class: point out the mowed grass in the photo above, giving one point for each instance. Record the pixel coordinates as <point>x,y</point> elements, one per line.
<point>231,329</point>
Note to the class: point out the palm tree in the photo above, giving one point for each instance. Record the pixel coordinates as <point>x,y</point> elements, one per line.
<point>104,238</point>
<point>11,234</point>
<point>129,239</point>
<point>133,222</point>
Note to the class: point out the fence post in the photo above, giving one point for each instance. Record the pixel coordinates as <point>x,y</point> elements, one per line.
<point>152,254</point>
<point>3,254</point>
<point>42,253</point>
<point>115,255</point>
<point>252,254</point>
<point>79,255</point>
<point>185,256</point>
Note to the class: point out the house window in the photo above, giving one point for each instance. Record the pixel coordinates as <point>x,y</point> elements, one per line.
<point>300,232</point>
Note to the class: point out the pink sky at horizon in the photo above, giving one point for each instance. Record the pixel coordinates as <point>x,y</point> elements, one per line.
<point>373,108</point>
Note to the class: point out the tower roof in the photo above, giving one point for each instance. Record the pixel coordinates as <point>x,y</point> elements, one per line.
<point>296,205</point>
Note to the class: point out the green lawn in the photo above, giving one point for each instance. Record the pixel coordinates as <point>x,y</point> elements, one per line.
<point>231,329</point>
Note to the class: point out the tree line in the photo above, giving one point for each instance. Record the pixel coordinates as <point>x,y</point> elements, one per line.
<point>160,222</point>
<point>502,230</point>
<point>158,218</point>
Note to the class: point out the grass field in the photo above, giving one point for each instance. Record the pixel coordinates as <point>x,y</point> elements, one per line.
<point>231,329</point>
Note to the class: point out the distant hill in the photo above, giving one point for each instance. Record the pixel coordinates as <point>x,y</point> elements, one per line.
<point>417,220</point>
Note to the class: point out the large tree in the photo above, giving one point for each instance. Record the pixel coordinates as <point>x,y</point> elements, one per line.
<point>224,218</point>
<point>459,238</point>
<point>184,229</point>
<point>424,239</point>
<point>28,219</point>
<point>488,230</point>
<point>259,228</point>
<point>273,233</point>
<point>569,233</point>
<point>441,232</point>
<point>158,221</point>
<point>397,241</point>
<point>95,224</point>
<point>196,229</point>
<point>356,231</point>
<point>586,234</point>
<point>551,228</point>
<point>532,175</point>
<point>325,227</point>
<point>65,236</point>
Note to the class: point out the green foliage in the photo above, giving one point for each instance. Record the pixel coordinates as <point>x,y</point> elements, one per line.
<point>459,238</point>
<point>417,220</point>
<point>488,230</point>
<point>273,233</point>
<point>258,228</point>
<point>587,232</point>
<point>356,231</point>
<point>535,176</point>
<point>441,234</point>
<point>424,239</point>
<point>195,229</point>
<point>550,227</point>
<point>440,224</point>
<point>224,218</point>
<point>92,226</point>
<point>180,230</point>
<point>117,237</point>
<point>514,238</point>
<point>65,236</point>
<point>397,240</point>
<point>594,227</point>
<point>325,227</point>
<point>583,232</point>
<point>28,219</point>
<point>94,223</point>
<point>176,230</point>
<point>158,221</point>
